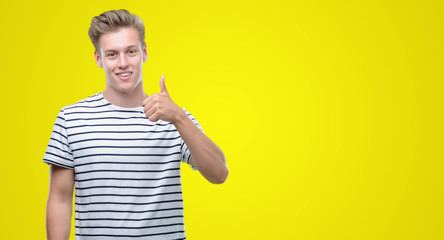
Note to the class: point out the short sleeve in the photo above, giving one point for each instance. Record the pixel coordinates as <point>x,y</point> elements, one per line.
<point>58,151</point>
<point>186,154</point>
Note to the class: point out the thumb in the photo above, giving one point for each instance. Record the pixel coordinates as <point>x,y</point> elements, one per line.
<point>163,88</point>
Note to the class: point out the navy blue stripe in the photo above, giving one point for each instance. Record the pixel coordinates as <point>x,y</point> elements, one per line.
<point>54,131</point>
<point>123,211</point>
<point>123,118</point>
<point>189,156</point>
<point>172,161</point>
<point>127,195</point>
<point>127,111</point>
<point>59,149</point>
<point>95,95</point>
<point>124,139</point>
<point>117,124</point>
<point>125,147</point>
<point>128,155</point>
<point>50,153</point>
<point>88,132</point>
<point>59,141</point>
<point>112,227</point>
<point>107,104</point>
<point>139,171</point>
<point>160,186</point>
<point>131,179</point>
<point>128,203</point>
<point>56,124</point>
<point>144,235</point>
<point>60,118</point>
<point>181,146</point>
<point>88,101</point>
<point>191,117</point>
<point>57,163</point>
<point>126,219</point>
<point>185,152</point>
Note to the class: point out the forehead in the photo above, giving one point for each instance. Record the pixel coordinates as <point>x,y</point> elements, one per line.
<point>120,39</point>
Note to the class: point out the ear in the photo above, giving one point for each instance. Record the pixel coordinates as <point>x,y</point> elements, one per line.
<point>145,52</point>
<point>97,58</point>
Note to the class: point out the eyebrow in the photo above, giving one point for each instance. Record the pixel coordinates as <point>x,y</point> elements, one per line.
<point>113,50</point>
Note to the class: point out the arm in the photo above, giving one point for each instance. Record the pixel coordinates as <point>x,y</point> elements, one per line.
<point>206,155</point>
<point>59,206</point>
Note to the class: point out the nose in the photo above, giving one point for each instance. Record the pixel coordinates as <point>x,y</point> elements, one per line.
<point>123,62</point>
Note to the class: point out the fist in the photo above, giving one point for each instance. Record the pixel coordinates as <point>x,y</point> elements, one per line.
<point>159,106</point>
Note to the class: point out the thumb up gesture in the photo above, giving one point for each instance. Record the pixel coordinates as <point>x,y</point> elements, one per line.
<point>163,88</point>
<point>159,106</point>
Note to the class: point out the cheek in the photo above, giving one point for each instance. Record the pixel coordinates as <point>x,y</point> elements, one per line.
<point>109,75</point>
<point>139,63</point>
<point>107,66</point>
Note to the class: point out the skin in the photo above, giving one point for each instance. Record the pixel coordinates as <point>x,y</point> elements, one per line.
<point>121,51</point>
<point>59,205</point>
<point>207,157</point>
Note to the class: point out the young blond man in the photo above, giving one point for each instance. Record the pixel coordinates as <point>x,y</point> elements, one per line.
<point>122,149</point>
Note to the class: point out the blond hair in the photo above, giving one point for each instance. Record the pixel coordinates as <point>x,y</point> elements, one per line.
<point>112,21</point>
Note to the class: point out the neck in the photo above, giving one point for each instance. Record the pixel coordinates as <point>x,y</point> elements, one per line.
<point>128,99</point>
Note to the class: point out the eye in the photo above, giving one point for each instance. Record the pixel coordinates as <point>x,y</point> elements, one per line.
<point>111,54</point>
<point>132,52</point>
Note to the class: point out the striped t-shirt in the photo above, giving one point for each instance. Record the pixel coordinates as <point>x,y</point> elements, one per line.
<point>127,170</point>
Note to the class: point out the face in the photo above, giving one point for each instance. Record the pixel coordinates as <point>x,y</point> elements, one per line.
<point>121,57</point>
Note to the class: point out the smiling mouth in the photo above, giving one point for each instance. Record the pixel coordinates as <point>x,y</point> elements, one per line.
<point>124,74</point>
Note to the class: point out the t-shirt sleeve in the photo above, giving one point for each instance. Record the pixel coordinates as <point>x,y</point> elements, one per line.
<point>186,154</point>
<point>58,151</point>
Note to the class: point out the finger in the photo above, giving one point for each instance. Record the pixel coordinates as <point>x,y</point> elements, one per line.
<point>151,98</point>
<point>147,99</point>
<point>163,88</point>
<point>150,112</point>
<point>151,101</point>
<point>154,117</point>
<point>149,105</point>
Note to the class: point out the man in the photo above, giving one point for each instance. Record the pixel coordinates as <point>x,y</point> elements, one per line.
<point>122,149</point>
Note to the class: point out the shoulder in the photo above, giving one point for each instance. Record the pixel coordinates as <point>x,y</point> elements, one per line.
<point>90,101</point>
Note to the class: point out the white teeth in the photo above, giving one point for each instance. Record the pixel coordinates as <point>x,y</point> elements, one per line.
<point>124,74</point>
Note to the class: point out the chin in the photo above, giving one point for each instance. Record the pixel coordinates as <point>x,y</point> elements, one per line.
<point>125,87</point>
<point>126,90</point>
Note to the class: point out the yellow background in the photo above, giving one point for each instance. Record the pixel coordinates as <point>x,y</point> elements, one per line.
<point>329,112</point>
